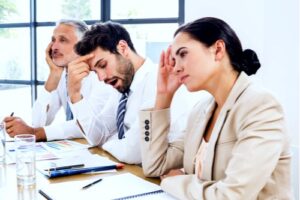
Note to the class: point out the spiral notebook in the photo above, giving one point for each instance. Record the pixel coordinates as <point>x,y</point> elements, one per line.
<point>157,194</point>
<point>121,186</point>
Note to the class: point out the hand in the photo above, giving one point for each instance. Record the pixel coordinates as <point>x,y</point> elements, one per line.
<point>77,70</point>
<point>55,71</point>
<point>172,172</point>
<point>168,82</point>
<point>15,126</point>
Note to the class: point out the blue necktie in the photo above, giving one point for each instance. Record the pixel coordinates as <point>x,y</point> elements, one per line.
<point>121,114</point>
<point>69,114</point>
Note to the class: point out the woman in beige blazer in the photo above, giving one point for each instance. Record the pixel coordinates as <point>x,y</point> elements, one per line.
<point>235,145</point>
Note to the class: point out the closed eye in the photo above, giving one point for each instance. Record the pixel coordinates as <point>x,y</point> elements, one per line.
<point>182,54</point>
<point>101,65</point>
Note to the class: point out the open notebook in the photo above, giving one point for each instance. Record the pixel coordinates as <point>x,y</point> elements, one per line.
<point>121,186</point>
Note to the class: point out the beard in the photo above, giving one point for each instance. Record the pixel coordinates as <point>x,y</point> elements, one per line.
<point>125,69</point>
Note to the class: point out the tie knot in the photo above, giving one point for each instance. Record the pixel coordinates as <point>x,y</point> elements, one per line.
<point>126,92</point>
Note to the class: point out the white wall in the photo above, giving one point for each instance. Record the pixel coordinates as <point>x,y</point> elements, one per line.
<point>271,28</point>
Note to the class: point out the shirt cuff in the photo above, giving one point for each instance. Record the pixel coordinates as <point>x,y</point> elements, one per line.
<point>65,130</point>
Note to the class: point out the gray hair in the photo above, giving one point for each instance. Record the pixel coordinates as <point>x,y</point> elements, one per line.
<point>80,26</point>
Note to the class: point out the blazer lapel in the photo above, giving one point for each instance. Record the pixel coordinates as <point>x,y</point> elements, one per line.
<point>239,87</point>
<point>210,153</point>
<point>198,127</point>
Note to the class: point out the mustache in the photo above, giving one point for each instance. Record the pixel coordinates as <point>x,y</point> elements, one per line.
<point>55,53</point>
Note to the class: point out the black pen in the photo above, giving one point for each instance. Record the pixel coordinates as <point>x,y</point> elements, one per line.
<point>90,184</point>
<point>45,195</point>
<point>12,114</point>
<point>65,167</point>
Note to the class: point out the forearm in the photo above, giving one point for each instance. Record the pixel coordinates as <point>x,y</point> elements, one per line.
<point>163,101</point>
<point>52,81</point>
<point>45,108</point>
<point>158,156</point>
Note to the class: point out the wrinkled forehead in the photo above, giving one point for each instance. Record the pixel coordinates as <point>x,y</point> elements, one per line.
<point>65,31</point>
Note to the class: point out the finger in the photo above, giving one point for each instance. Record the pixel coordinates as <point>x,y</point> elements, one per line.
<point>169,56</point>
<point>82,58</point>
<point>80,76</point>
<point>82,66</point>
<point>161,59</point>
<point>9,130</point>
<point>8,119</point>
<point>48,49</point>
<point>11,133</point>
<point>166,59</point>
<point>8,125</point>
<point>76,73</point>
<point>83,70</point>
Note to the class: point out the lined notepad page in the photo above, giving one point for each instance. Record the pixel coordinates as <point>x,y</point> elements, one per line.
<point>121,186</point>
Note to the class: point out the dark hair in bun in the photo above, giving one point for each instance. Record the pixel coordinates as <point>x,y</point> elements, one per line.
<point>208,30</point>
<point>250,62</point>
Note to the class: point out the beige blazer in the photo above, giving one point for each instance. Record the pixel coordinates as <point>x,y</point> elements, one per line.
<point>248,154</point>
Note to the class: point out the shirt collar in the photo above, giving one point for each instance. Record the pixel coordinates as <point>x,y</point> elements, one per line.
<point>140,74</point>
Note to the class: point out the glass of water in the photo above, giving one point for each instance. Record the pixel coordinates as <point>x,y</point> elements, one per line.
<point>25,160</point>
<point>2,143</point>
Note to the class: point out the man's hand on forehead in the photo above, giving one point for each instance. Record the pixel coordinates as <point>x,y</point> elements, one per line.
<point>86,59</point>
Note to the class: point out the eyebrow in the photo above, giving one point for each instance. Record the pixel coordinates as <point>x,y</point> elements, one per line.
<point>178,50</point>
<point>59,37</point>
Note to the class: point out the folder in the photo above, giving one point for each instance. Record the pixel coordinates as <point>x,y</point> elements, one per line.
<point>76,164</point>
<point>73,171</point>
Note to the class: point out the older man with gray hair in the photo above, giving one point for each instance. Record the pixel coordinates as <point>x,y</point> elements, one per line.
<point>54,95</point>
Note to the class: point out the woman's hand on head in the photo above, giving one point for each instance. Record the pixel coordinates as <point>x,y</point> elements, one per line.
<point>167,81</point>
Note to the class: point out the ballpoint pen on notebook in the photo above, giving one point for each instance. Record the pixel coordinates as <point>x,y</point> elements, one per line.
<point>73,171</point>
<point>45,195</point>
<point>92,183</point>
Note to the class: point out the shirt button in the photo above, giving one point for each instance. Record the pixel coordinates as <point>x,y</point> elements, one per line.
<point>146,139</point>
<point>147,121</point>
<point>147,133</point>
<point>147,127</point>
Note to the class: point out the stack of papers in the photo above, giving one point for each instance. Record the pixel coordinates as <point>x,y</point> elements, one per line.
<point>77,163</point>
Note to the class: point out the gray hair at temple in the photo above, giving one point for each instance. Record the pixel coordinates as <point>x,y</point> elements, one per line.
<point>80,26</point>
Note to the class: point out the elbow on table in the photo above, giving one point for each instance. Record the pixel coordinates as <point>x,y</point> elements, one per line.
<point>151,171</point>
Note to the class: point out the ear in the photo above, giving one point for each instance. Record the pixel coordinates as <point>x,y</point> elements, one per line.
<point>219,50</point>
<point>123,48</point>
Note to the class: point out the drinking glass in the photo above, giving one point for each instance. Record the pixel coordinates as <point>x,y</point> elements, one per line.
<point>25,160</point>
<point>2,143</point>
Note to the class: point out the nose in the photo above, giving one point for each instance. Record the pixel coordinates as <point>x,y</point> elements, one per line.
<point>101,75</point>
<point>55,45</point>
<point>178,68</point>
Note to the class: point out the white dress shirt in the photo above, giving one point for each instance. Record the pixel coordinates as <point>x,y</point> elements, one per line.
<point>101,127</point>
<point>49,103</point>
